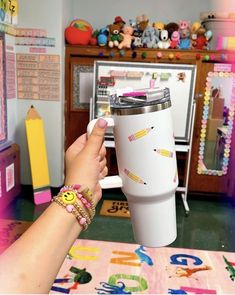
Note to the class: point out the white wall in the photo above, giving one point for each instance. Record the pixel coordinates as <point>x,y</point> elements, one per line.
<point>11,119</point>
<point>101,13</point>
<point>49,15</point>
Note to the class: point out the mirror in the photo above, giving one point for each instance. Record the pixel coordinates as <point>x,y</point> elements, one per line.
<point>3,123</point>
<point>217,123</point>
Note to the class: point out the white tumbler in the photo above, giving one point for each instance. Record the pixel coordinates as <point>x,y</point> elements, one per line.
<point>146,158</point>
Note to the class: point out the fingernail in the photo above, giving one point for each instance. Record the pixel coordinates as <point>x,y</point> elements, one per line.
<point>102,123</point>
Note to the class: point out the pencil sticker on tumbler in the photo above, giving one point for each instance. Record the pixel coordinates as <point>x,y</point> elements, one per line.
<point>134,177</point>
<point>140,134</point>
<point>164,153</point>
<point>38,156</point>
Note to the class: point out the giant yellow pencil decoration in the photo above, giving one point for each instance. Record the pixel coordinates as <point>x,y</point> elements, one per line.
<point>134,177</point>
<point>140,134</point>
<point>38,156</point>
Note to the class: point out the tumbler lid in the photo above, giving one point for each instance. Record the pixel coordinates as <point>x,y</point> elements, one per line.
<point>141,101</point>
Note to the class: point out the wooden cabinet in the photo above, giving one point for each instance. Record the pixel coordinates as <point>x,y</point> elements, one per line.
<point>10,175</point>
<point>81,59</point>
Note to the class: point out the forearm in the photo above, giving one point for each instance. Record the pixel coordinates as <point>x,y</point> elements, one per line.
<point>31,264</point>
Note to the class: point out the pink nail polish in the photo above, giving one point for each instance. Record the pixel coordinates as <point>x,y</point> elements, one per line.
<point>102,123</point>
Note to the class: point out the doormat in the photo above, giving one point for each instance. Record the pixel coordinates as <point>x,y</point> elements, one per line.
<point>115,208</point>
<point>10,231</point>
<point>97,267</point>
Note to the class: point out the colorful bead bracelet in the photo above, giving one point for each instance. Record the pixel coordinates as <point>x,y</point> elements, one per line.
<point>79,203</point>
<point>85,196</point>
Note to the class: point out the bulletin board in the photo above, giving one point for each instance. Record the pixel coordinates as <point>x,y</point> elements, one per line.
<point>110,77</point>
<point>3,111</point>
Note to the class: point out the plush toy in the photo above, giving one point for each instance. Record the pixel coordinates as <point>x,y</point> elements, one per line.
<point>201,41</point>
<point>114,37</point>
<point>195,27</point>
<point>79,32</point>
<point>119,21</point>
<point>132,23</point>
<point>127,37</point>
<point>213,15</point>
<point>175,40</point>
<point>137,40</point>
<point>159,26</point>
<point>171,27</point>
<point>184,24</point>
<point>150,37</point>
<point>142,22</point>
<point>185,40</point>
<point>209,35</point>
<point>164,42</point>
<point>102,37</point>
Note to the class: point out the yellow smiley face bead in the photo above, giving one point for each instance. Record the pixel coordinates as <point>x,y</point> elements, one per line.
<point>69,197</point>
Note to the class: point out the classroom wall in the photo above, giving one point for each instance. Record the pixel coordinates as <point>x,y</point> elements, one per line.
<point>11,119</point>
<point>50,15</point>
<point>103,12</point>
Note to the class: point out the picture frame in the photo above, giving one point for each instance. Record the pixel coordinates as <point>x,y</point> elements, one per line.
<point>82,85</point>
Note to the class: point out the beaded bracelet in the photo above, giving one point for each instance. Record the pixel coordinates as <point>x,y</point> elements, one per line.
<point>85,196</point>
<point>71,199</point>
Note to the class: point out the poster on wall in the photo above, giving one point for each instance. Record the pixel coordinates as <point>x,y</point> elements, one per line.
<point>10,72</point>
<point>9,11</point>
<point>10,177</point>
<point>38,76</point>
<point>3,125</point>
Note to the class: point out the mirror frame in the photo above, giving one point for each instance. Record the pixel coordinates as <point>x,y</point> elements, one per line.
<point>3,106</point>
<point>202,169</point>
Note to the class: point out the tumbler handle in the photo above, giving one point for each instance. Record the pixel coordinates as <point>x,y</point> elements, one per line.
<point>114,181</point>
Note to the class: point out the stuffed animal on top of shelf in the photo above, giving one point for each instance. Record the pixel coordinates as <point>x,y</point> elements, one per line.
<point>142,22</point>
<point>184,24</point>
<point>185,34</point>
<point>114,37</point>
<point>208,35</point>
<point>201,38</point>
<point>137,38</point>
<point>185,40</point>
<point>159,26</point>
<point>150,37</point>
<point>175,40</point>
<point>119,21</point>
<point>102,37</point>
<point>127,37</point>
<point>164,42</point>
<point>171,27</point>
<point>194,27</point>
<point>79,32</point>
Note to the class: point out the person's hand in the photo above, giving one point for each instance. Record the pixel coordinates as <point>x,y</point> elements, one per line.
<point>85,160</point>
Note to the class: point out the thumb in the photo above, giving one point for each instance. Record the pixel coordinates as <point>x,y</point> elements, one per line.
<point>95,140</point>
